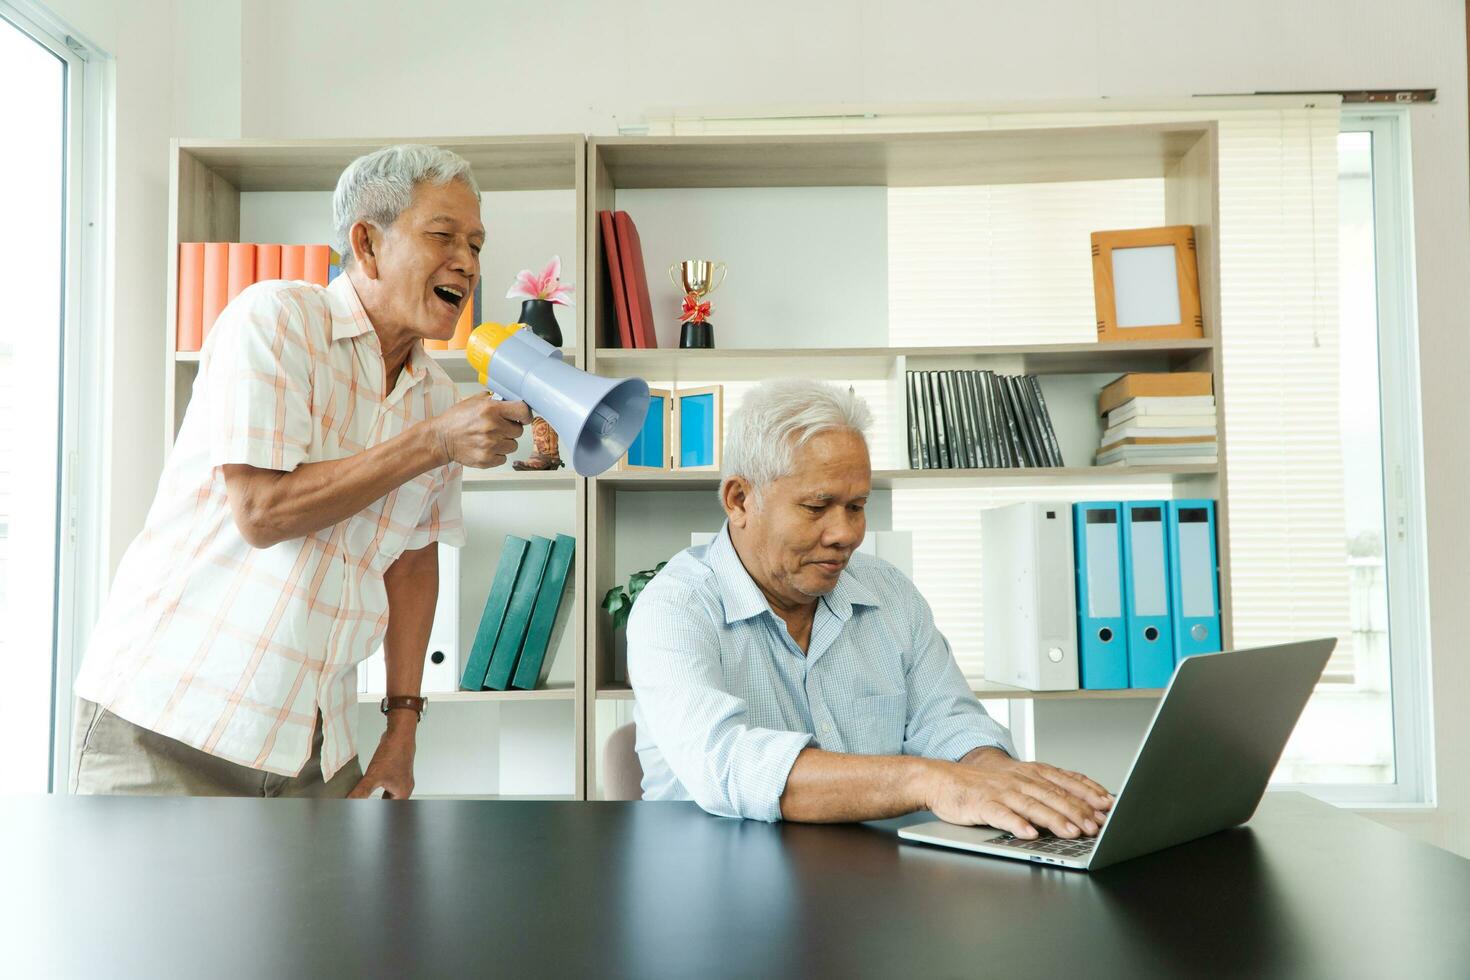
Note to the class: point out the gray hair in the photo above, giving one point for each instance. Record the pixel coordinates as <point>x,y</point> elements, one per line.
<point>378,187</point>
<point>776,418</point>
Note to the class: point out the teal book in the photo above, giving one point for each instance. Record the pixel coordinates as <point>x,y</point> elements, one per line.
<point>517,615</point>
<point>544,615</point>
<point>496,602</point>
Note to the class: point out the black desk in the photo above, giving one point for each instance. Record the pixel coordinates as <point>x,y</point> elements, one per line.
<point>224,888</point>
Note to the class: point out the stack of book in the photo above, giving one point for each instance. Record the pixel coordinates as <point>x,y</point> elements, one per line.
<point>524,614</point>
<point>1158,420</point>
<point>978,420</point>
<point>628,314</point>
<point>211,274</point>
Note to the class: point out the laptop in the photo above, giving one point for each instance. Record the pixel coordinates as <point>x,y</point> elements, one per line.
<point>1203,765</point>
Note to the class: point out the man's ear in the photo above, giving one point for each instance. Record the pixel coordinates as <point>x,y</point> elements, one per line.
<point>738,500</point>
<point>365,239</point>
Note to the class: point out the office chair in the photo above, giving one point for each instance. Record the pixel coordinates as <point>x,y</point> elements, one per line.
<point>622,775</point>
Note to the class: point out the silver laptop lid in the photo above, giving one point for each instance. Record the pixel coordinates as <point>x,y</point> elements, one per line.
<point>1209,752</point>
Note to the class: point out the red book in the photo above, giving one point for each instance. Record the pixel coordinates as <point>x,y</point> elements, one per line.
<point>190,335</point>
<point>241,269</point>
<point>630,251</point>
<point>616,294</point>
<point>318,257</point>
<point>216,281</point>
<point>293,262</point>
<point>267,262</point>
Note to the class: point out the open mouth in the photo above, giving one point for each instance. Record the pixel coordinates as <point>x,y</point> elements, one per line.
<point>452,295</point>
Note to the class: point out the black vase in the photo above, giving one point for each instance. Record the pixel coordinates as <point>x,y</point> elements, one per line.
<point>697,335</point>
<point>539,316</point>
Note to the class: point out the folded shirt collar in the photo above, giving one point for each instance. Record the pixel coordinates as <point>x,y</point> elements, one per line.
<point>743,599</point>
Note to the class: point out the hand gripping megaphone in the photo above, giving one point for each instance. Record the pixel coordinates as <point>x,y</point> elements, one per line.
<point>597,417</point>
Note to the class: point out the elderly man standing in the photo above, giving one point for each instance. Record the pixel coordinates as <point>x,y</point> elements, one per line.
<point>298,519</point>
<point>781,674</point>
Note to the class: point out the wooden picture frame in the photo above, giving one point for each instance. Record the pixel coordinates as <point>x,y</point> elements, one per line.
<point>644,454</point>
<point>1140,294</point>
<point>699,428</point>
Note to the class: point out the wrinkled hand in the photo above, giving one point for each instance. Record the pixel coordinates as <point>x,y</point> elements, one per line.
<point>992,788</point>
<point>481,431</point>
<point>391,766</point>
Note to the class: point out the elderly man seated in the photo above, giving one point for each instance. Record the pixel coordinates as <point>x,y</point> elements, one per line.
<point>781,674</point>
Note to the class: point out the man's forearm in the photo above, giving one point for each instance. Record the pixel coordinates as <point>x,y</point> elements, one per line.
<point>412,584</point>
<point>834,787</point>
<point>274,506</point>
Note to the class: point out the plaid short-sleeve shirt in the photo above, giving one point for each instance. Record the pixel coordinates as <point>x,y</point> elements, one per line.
<point>234,649</point>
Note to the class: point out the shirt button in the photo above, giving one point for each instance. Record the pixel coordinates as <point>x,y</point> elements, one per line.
<point>826,729</point>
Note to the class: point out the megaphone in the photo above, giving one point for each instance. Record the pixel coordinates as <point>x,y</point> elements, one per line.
<point>598,417</point>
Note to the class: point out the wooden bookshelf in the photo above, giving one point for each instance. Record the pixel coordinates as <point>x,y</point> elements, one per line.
<point>210,178</point>
<point>212,187</point>
<point>1183,154</point>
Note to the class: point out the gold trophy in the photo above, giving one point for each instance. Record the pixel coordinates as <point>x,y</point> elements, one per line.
<point>696,277</point>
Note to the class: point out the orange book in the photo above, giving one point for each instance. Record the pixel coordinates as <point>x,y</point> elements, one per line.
<point>435,344</point>
<point>318,257</point>
<point>1158,384</point>
<point>461,338</point>
<point>190,335</point>
<point>216,281</point>
<point>242,269</point>
<point>267,262</point>
<point>293,262</point>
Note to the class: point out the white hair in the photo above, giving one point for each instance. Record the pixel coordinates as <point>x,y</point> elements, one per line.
<point>776,418</point>
<point>379,186</point>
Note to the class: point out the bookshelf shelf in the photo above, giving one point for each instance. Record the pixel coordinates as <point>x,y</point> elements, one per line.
<point>1060,476</point>
<point>855,363</point>
<point>982,690</point>
<point>554,693</point>
<point>505,478</point>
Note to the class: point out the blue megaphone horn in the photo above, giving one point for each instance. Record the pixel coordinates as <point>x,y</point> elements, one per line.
<point>597,417</point>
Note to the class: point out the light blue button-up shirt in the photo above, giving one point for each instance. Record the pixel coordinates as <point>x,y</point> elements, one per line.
<point>726,700</point>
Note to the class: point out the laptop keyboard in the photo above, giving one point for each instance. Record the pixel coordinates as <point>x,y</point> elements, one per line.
<point>1048,844</point>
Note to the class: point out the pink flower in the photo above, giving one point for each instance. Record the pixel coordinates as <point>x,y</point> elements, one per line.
<point>547,285</point>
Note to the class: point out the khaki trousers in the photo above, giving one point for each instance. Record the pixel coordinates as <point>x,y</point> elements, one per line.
<point>112,756</point>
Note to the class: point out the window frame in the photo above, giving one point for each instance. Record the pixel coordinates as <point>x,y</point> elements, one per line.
<point>1405,526</point>
<point>85,343</point>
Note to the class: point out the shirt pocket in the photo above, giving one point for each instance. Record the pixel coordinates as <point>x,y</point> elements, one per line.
<point>873,724</point>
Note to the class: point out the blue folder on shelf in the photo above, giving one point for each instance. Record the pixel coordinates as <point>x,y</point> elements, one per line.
<point>1146,587</point>
<point>1102,647</point>
<point>1194,581</point>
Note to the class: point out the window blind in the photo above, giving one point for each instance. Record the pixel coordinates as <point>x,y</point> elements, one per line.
<point>1010,264</point>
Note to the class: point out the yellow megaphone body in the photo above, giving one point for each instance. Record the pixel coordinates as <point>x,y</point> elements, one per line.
<point>597,417</point>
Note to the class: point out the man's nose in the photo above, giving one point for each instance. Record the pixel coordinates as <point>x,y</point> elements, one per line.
<point>846,531</point>
<point>464,260</point>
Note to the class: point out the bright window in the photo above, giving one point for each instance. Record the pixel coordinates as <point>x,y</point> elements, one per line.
<point>33,116</point>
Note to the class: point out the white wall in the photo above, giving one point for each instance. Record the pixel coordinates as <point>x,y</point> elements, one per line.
<point>384,68</point>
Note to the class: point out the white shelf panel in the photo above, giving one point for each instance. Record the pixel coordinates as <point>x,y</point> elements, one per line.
<point>452,361</point>
<point>1059,476</point>
<point>983,689</point>
<point>505,478</point>
<point>856,363</point>
<point>501,163</point>
<point>558,693</point>
<point>898,159</point>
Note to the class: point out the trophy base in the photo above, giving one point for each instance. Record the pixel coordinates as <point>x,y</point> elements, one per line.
<point>697,335</point>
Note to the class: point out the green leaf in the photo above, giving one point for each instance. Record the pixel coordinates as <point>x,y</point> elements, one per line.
<point>615,600</point>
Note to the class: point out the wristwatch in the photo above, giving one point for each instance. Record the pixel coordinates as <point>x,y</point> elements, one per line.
<point>405,701</point>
